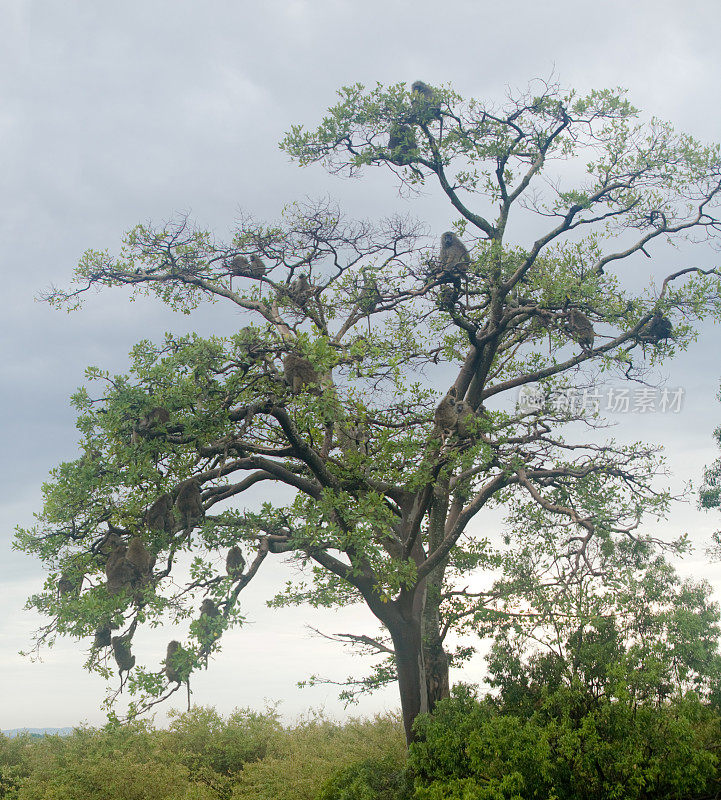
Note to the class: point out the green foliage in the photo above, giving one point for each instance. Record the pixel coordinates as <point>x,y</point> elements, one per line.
<point>201,756</point>
<point>710,494</point>
<point>214,749</point>
<point>116,763</point>
<point>369,780</point>
<point>566,750</point>
<point>314,751</point>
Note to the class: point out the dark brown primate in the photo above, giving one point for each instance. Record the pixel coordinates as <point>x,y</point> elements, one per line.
<point>189,504</point>
<point>454,257</point>
<point>234,562</point>
<point>424,102</point>
<point>171,667</point>
<point>447,297</point>
<point>102,637</point>
<point>466,421</point>
<point>123,657</point>
<point>159,516</point>
<point>579,326</point>
<point>208,630</point>
<point>175,672</point>
<point>354,437</point>
<point>656,330</point>
<point>300,290</point>
<point>239,266</point>
<point>257,267</point>
<point>109,543</point>
<point>66,585</point>
<point>446,416</point>
<point>140,559</point>
<point>369,298</point>
<point>422,95</point>
<point>209,609</point>
<point>402,144</point>
<point>299,372</point>
<point>118,571</point>
<point>154,418</point>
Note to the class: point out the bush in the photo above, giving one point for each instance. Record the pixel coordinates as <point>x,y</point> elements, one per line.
<point>314,751</point>
<point>372,779</point>
<point>473,750</point>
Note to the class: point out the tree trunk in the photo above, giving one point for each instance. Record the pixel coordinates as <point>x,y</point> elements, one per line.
<point>436,668</point>
<point>435,659</point>
<point>408,647</point>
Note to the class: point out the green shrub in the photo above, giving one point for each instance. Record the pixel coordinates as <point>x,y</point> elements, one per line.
<point>314,750</point>
<point>372,779</point>
<point>566,750</point>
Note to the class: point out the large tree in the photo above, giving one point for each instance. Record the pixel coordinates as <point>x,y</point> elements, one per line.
<point>374,391</point>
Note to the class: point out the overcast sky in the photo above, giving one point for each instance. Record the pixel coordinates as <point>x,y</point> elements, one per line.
<point>113,114</point>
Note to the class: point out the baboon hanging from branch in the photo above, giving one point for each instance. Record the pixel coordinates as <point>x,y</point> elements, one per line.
<point>174,668</point>
<point>123,656</point>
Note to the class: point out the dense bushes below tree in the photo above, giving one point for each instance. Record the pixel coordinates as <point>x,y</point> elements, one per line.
<point>202,756</point>
<point>552,743</point>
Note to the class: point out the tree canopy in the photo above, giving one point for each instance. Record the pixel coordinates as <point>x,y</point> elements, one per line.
<point>376,384</point>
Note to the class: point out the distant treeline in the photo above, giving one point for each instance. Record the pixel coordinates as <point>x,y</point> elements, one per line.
<point>36,733</point>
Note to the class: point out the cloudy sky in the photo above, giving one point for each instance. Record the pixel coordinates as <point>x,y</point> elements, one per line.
<point>112,114</point>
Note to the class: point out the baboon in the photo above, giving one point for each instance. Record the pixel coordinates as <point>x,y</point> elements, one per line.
<point>139,557</point>
<point>465,424</point>
<point>209,609</point>
<point>423,103</point>
<point>299,372</point>
<point>446,416</point>
<point>208,630</point>
<point>239,266</point>
<point>119,572</point>
<point>402,144</point>
<point>155,417</point>
<point>422,90</point>
<point>128,567</point>
<point>123,657</point>
<point>66,585</point>
<point>657,329</point>
<point>369,298</point>
<point>447,297</point>
<point>257,267</point>
<point>454,256</point>
<point>109,543</point>
<point>175,672</point>
<point>102,637</point>
<point>189,504</point>
<point>159,516</point>
<point>579,326</point>
<point>234,562</point>
<point>172,668</point>
<point>354,437</point>
<point>300,290</point>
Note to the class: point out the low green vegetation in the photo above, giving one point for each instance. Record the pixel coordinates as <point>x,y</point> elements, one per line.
<point>547,742</point>
<point>201,756</point>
